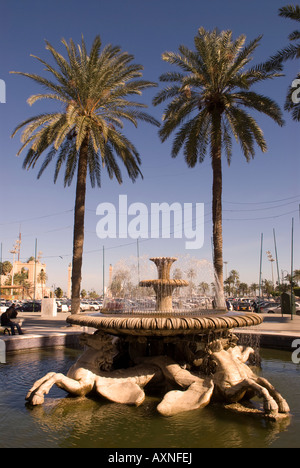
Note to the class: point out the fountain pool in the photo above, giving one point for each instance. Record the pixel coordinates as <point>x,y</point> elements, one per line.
<point>93,422</point>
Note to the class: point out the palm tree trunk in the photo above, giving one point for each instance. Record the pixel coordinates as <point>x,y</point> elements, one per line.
<point>78,236</point>
<point>216,150</point>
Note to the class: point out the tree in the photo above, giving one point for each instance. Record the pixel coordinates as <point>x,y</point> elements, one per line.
<point>85,134</point>
<point>234,274</point>
<point>121,283</point>
<point>5,268</point>
<point>291,279</point>
<point>243,288</point>
<point>296,275</point>
<point>191,274</point>
<point>58,292</point>
<point>267,287</point>
<point>232,279</point>
<point>177,274</point>
<point>42,278</point>
<point>226,288</point>
<point>93,295</point>
<point>204,287</point>
<point>22,280</point>
<point>253,287</point>
<point>291,52</point>
<point>207,97</point>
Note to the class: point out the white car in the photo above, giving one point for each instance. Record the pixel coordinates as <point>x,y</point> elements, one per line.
<point>84,306</point>
<point>95,305</point>
<point>62,307</point>
<point>277,309</point>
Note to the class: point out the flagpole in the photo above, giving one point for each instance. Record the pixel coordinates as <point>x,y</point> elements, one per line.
<point>34,279</point>
<point>260,267</point>
<point>103,274</point>
<point>292,268</point>
<point>276,259</point>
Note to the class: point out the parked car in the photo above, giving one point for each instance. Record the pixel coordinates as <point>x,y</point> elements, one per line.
<point>259,306</point>
<point>269,306</point>
<point>62,306</point>
<point>119,305</point>
<point>94,306</point>
<point>30,307</point>
<point>244,306</point>
<point>84,305</point>
<point>277,309</point>
<point>3,306</point>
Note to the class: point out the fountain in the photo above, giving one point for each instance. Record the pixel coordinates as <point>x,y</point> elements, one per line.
<point>164,286</point>
<point>189,357</point>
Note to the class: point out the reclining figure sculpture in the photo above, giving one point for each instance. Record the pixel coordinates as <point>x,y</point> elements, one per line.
<point>216,370</point>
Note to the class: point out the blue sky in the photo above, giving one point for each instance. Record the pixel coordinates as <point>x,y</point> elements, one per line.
<point>258,196</point>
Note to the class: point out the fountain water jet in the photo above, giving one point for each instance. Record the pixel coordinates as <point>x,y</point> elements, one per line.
<point>196,352</point>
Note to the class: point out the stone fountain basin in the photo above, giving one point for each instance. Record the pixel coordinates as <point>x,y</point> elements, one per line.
<point>156,324</point>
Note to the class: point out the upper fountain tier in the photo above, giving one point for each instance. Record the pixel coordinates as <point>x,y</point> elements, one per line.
<point>164,285</point>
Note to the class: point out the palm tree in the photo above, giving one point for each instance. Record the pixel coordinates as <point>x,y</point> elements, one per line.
<point>291,52</point>
<point>204,287</point>
<point>268,287</point>
<point>243,289</point>
<point>22,280</point>
<point>191,274</point>
<point>207,96</point>
<point>253,287</point>
<point>5,268</point>
<point>85,134</point>
<point>42,279</point>
<point>296,276</point>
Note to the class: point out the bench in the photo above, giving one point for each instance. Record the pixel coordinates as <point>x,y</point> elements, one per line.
<point>6,329</point>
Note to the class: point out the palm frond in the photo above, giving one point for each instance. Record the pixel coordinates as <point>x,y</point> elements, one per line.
<point>242,57</point>
<point>261,104</point>
<point>294,36</point>
<point>227,142</point>
<point>290,11</point>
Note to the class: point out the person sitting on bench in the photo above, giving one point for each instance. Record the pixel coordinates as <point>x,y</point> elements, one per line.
<point>6,320</point>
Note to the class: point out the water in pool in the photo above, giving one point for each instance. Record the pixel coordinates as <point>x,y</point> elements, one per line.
<point>67,422</point>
